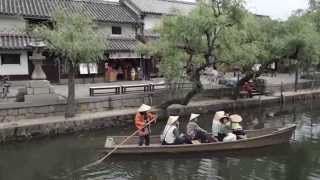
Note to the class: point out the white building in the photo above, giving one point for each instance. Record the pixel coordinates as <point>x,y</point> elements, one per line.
<point>117,23</point>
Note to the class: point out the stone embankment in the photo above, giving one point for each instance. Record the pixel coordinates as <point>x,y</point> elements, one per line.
<point>16,124</point>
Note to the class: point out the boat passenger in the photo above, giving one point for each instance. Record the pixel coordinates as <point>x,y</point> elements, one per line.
<point>220,125</point>
<point>142,119</point>
<point>170,134</point>
<point>194,131</point>
<point>236,127</point>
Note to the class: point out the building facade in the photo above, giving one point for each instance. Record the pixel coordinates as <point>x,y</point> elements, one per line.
<point>116,22</point>
<point>123,24</point>
<point>150,13</point>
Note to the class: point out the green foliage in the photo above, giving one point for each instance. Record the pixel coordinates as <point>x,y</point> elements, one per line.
<point>302,41</point>
<point>224,31</point>
<point>188,43</point>
<point>73,37</point>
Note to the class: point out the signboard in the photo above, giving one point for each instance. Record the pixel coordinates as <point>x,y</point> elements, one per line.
<point>93,68</point>
<point>83,68</point>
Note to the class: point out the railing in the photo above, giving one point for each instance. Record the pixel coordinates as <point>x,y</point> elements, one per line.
<point>137,88</point>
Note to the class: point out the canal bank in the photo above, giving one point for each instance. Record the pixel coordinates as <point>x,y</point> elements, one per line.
<point>24,129</point>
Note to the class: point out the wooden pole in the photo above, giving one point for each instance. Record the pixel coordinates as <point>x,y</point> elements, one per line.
<point>114,149</point>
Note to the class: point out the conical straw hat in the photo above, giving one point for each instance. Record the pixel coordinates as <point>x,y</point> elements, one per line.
<point>144,108</point>
<point>235,118</point>
<point>193,116</point>
<point>172,119</point>
<point>219,115</point>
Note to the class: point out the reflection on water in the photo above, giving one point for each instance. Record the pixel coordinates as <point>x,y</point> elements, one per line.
<point>55,158</point>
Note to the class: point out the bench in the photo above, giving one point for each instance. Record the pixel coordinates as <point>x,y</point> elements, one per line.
<point>135,87</point>
<point>116,90</point>
<point>157,86</point>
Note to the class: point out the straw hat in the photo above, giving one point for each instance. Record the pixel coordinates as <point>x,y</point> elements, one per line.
<point>235,118</point>
<point>144,108</point>
<point>219,115</point>
<point>193,116</point>
<point>172,119</point>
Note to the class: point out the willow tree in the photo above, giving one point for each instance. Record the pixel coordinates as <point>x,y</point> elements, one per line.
<point>301,43</point>
<point>190,43</point>
<point>257,40</point>
<point>74,39</point>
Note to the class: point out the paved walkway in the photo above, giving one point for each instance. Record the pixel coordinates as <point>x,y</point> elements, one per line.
<point>82,90</point>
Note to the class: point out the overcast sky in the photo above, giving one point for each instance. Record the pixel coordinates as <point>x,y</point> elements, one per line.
<point>277,9</point>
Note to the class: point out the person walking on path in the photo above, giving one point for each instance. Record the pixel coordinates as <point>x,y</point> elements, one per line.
<point>142,118</point>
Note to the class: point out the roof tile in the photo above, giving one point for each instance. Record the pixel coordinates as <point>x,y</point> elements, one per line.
<point>110,12</point>
<point>162,6</point>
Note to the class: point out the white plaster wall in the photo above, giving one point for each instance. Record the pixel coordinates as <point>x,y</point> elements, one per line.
<point>127,29</point>
<point>151,21</point>
<point>16,69</point>
<point>12,24</point>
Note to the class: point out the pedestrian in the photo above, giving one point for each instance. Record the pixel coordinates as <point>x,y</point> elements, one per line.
<point>143,120</point>
<point>120,73</point>
<point>133,74</point>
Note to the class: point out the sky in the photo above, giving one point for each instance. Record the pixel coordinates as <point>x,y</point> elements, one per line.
<point>276,9</point>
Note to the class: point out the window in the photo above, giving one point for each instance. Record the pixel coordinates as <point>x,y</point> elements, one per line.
<point>10,58</point>
<point>116,30</point>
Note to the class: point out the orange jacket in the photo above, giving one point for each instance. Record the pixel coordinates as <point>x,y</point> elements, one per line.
<point>140,122</point>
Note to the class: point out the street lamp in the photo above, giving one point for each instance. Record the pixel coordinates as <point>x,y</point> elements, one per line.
<point>37,59</point>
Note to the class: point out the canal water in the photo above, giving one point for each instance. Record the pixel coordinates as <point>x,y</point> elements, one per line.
<point>55,158</point>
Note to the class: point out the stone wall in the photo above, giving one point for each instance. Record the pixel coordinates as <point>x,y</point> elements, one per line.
<point>19,111</point>
<point>53,127</point>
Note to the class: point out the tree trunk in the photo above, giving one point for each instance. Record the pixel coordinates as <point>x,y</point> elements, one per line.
<point>71,104</point>
<point>197,87</point>
<point>296,79</point>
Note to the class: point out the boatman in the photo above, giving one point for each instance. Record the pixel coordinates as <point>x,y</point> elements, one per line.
<point>143,119</point>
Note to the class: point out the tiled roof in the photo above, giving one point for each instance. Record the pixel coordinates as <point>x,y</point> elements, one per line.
<point>122,44</point>
<point>161,6</point>
<point>20,41</point>
<point>14,41</point>
<point>101,11</point>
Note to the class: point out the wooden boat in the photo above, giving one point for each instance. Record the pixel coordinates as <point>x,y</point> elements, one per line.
<point>256,139</point>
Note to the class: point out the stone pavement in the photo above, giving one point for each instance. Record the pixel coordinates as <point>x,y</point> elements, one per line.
<point>82,90</point>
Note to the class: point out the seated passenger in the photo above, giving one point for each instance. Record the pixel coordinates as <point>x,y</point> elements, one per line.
<point>236,127</point>
<point>194,131</point>
<point>170,134</point>
<point>220,125</point>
